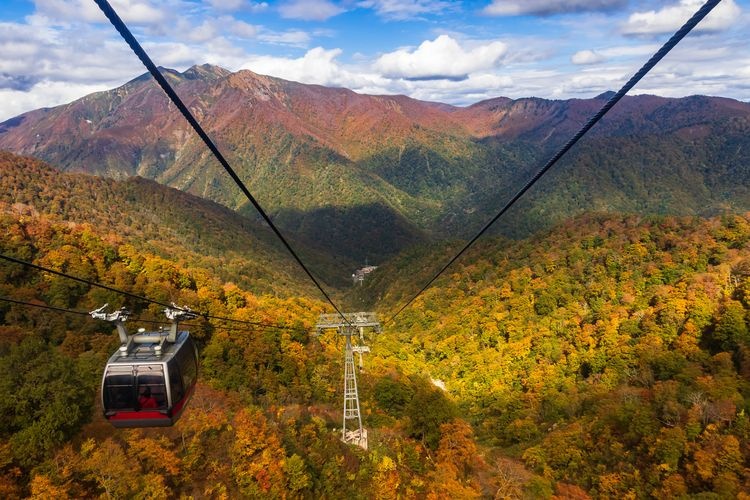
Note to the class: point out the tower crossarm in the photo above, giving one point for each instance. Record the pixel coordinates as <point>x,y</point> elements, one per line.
<point>356,319</point>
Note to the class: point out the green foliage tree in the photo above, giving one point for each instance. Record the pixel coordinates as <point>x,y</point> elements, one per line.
<point>427,410</point>
<point>393,395</point>
<point>730,330</point>
<point>44,400</point>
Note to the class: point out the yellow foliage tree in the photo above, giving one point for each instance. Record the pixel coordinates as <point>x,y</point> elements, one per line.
<point>257,456</point>
<point>42,488</point>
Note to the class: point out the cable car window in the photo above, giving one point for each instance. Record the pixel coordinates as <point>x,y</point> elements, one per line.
<point>152,392</point>
<point>175,381</point>
<point>187,361</point>
<point>118,392</point>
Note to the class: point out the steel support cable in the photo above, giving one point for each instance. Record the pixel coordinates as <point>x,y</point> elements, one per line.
<point>132,320</point>
<point>146,60</point>
<point>139,297</point>
<point>669,45</point>
<point>81,280</point>
<point>43,306</point>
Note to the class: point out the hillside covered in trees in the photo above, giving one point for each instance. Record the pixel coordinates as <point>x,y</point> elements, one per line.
<point>166,222</point>
<point>263,422</point>
<point>606,358</point>
<point>612,353</point>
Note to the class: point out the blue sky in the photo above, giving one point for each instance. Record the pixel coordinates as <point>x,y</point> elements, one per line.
<point>458,52</point>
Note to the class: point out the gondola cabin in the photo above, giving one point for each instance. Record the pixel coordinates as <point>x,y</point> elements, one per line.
<point>148,381</point>
<point>147,388</point>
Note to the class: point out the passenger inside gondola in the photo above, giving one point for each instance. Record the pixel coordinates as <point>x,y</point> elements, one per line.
<point>146,400</point>
<point>151,380</point>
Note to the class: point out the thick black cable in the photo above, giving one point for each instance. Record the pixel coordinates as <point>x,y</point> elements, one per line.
<point>132,320</point>
<point>669,45</point>
<point>253,323</point>
<point>139,297</point>
<point>43,306</point>
<point>82,280</point>
<point>146,60</point>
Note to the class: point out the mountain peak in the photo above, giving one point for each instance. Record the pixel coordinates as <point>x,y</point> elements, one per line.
<point>205,72</point>
<point>168,73</point>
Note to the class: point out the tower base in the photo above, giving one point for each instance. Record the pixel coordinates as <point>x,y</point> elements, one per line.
<point>358,437</point>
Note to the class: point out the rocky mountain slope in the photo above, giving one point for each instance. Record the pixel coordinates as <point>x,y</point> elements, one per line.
<point>370,175</point>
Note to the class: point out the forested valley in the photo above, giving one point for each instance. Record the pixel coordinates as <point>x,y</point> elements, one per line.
<point>606,358</point>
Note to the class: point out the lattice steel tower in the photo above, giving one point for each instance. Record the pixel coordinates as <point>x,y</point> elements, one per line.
<point>348,326</point>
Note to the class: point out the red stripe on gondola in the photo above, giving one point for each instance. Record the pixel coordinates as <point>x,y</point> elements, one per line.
<point>137,415</point>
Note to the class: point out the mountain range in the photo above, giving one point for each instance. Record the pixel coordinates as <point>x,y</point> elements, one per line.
<point>366,176</point>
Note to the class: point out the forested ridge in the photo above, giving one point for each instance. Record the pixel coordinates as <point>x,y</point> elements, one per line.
<point>606,358</point>
<point>165,221</point>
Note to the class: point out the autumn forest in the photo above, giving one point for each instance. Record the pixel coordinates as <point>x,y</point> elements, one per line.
<point>595,343</point>
<point>607,357</point>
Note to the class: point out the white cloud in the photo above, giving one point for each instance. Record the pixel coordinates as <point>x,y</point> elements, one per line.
<point>142,12</point>
<point>294,38</point>
<point>44,94</point>
<point>215,27</point>
<point>320,66</point>
<point>39,53</point>
<point>309,10</point>
<point>406,9</point>
<point>549,7</point>
<point>702,67</point>
<point>228,5</point>
<point>241,28</point>
<point>442,58</point>
<point>68,10</point>
<point>589,83</point>
<point>679,81</point>
<point>236,5</point>
<point>671,18</point>
<point>476,88</point>
<point>587,57</point>
<point>170,55</point>
<point>203,32</point>
<point>640,51</point>
<point>317,66</point>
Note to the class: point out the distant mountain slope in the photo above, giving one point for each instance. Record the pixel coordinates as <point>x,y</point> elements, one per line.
<point>322,159</point>
<point>166,221</point>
